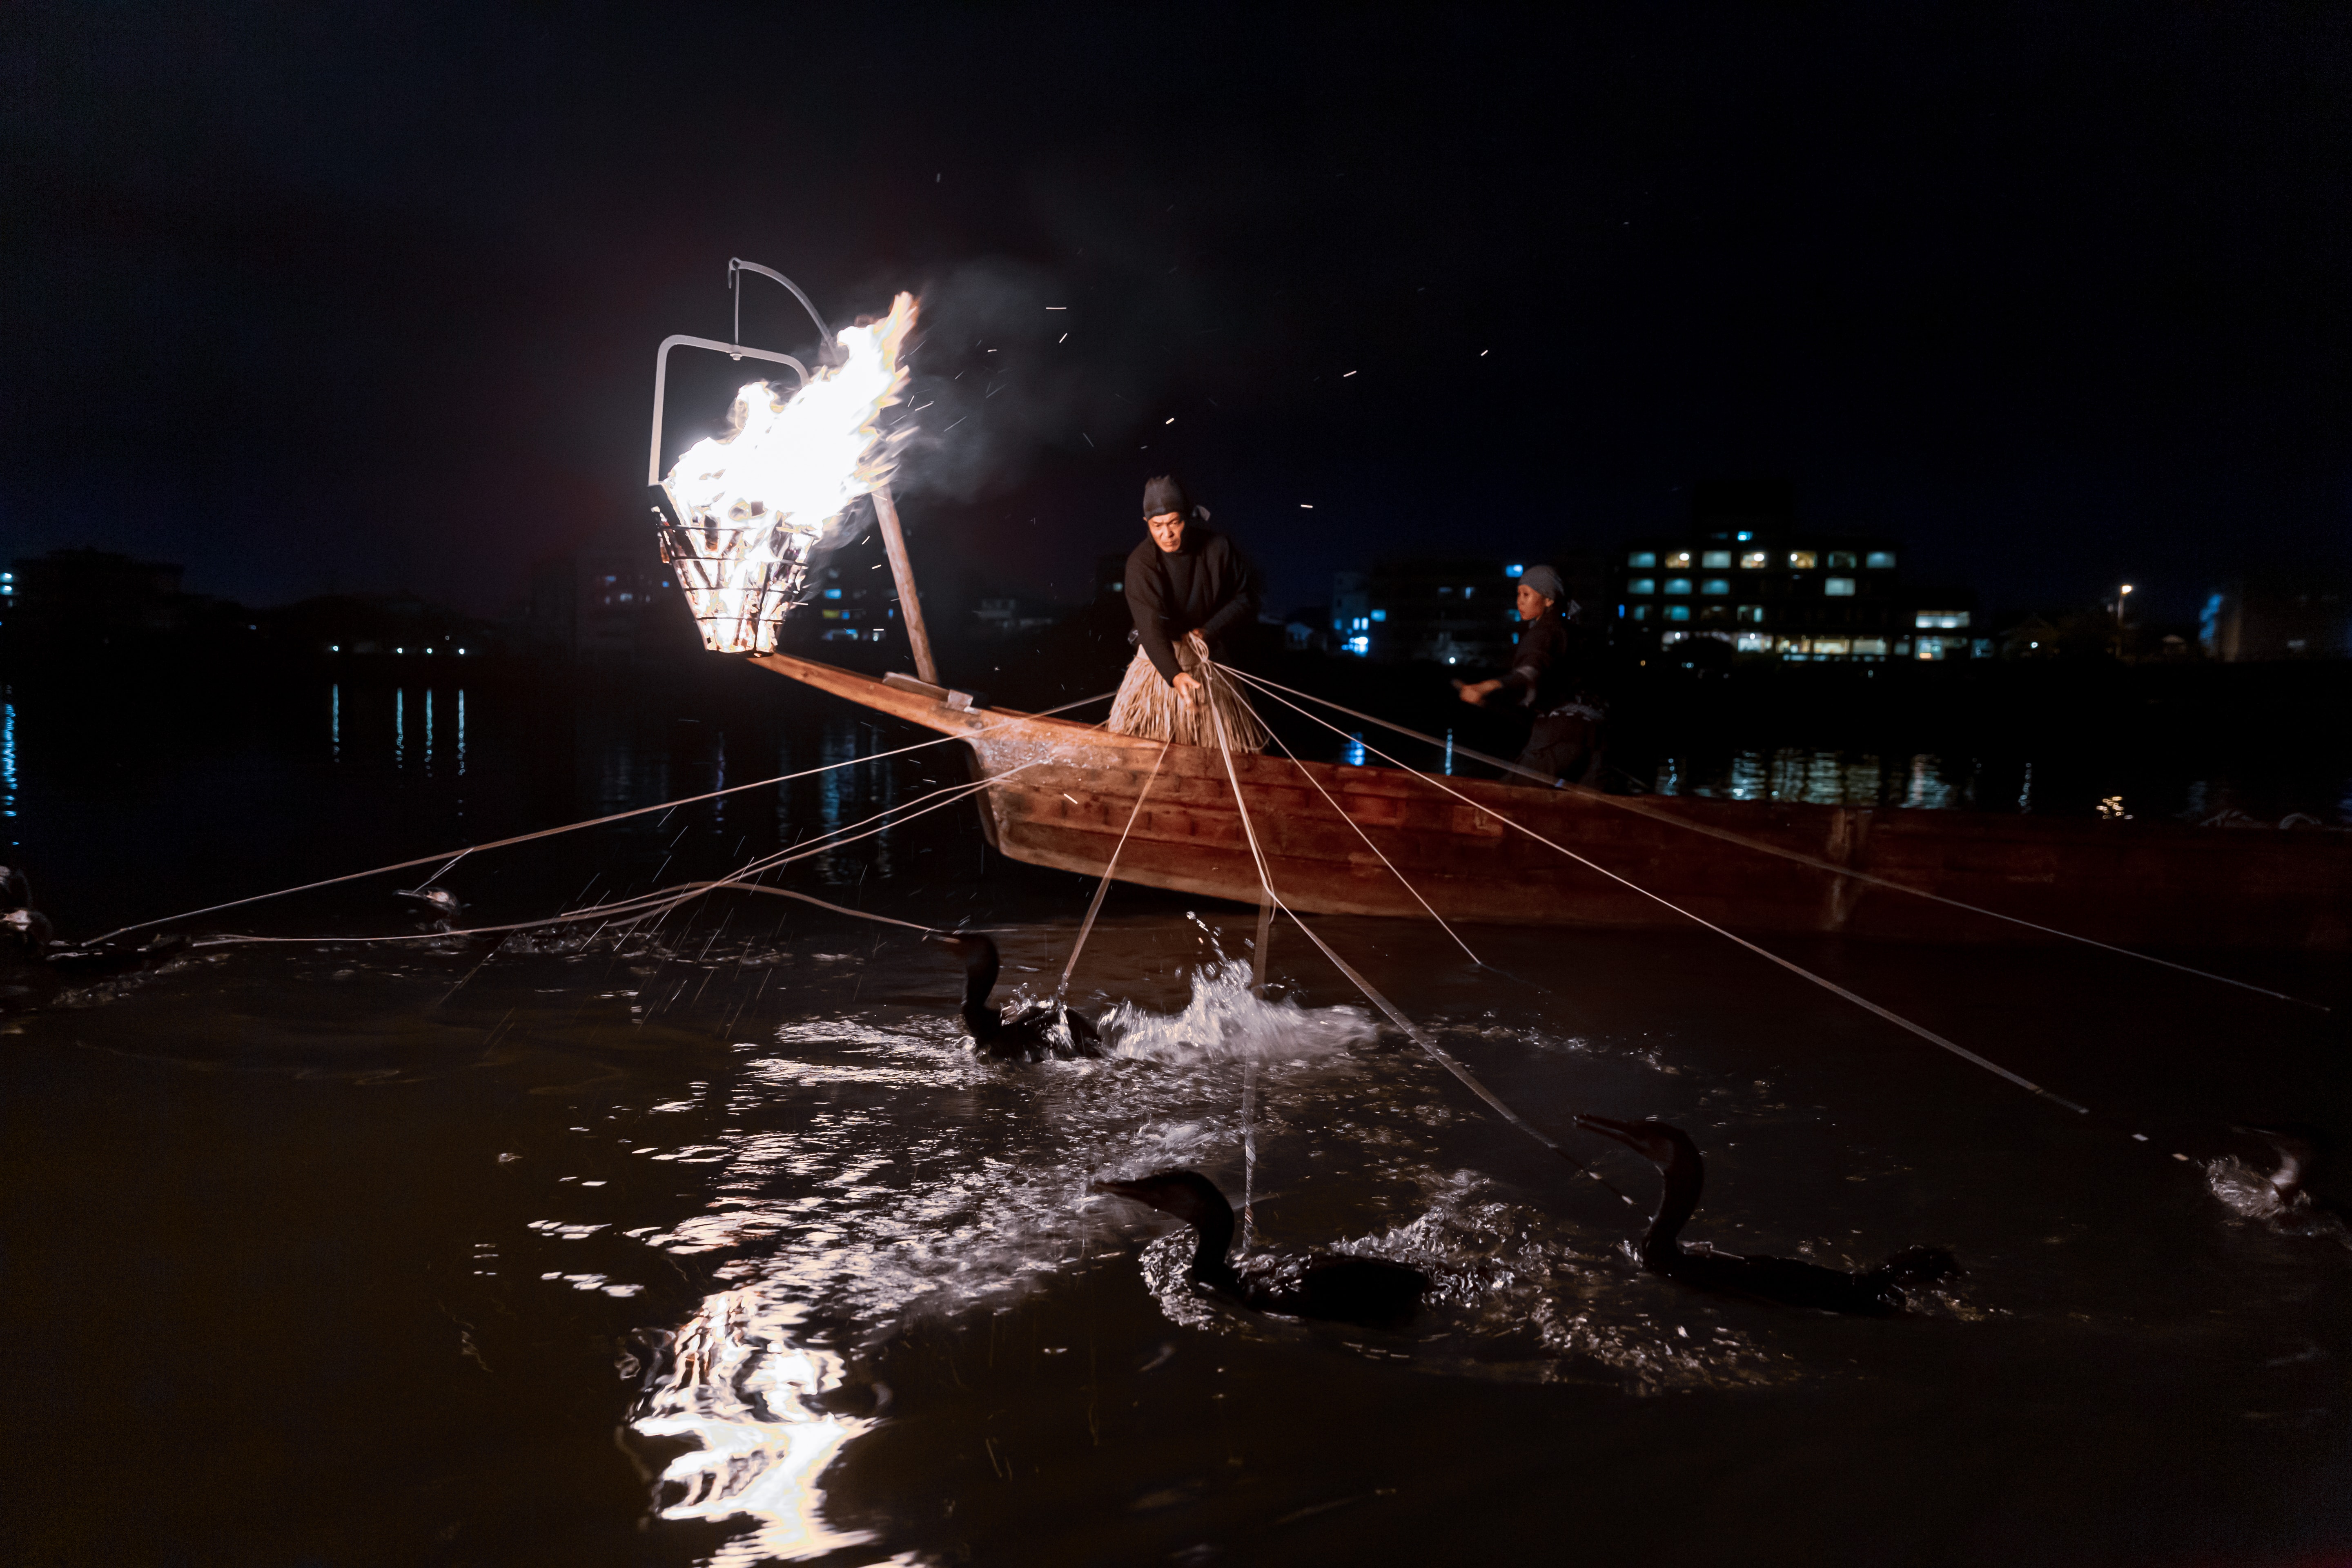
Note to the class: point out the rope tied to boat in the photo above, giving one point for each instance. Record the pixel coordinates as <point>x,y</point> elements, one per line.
<point>1412,1031</point>
<point>1651,813</point>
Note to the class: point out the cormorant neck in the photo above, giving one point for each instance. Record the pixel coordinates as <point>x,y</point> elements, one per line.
<point>1679,1180</point>
<point>1215,1231</point>
<point>977,1015</point>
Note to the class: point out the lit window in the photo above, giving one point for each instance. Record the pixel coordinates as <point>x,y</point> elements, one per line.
<point>1840,560</point>
<point>1678,612</point>
<point>1716,585</point>
<point>1641,611</point>
<point>1800,560</point>
<point>1643,558</point>
<point>1642,586</point>
<point>1940,620</point>
<point>1752,614</point>
<point>1465,593</point>
<point>334,647</point>
<point>1874,647</point>
<point>1359,645</point>
<point>1880,560</point>
<point>461,653</point>
<point>1753,560</point>
<point>1512,570</point>
<point>1754,642</point>
<point>1677,584</point>
<point>1679,560</point>
<point>1932,648</point>
<point>1830,644</point>
<point>1444,588</point>
<point>1716,560</point>
<point>1838,587</point>
<point>829,593</point>
<point>1744,536</point>
<point>1380,615</point>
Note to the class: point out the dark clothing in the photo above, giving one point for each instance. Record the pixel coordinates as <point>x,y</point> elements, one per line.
<point>1564,745</point>
<point>1556,668</point>
<point>1208,586</point>
<point>1556,663</point>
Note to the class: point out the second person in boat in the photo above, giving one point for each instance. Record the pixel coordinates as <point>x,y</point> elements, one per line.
<point>1188,588</point>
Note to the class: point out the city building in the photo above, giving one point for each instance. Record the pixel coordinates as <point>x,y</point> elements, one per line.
<point>1448,610</point>
<point>1746,574</point>
<point>92,598</point>
<point>2246,620</point>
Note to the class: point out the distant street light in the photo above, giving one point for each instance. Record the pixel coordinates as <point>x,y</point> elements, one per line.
<point>2122,595</point>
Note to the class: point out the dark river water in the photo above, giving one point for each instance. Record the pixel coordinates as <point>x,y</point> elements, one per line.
<point>709,1243</point>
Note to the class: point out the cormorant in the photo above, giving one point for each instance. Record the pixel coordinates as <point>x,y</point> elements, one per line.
<point>1039,1030</point>
<point>2284,1198</point>
<point>1876,1293</point>
<point>1367,1290</point>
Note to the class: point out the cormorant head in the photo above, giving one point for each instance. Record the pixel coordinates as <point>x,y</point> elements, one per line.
<point>977,952</point>
<point>1186,1195</point>
<point>1653,1139</point>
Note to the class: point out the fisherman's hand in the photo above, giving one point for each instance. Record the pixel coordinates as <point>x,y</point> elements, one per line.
<point>1476,692</point>
<point>1189,687</point>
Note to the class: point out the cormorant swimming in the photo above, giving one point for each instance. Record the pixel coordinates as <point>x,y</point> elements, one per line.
<point>1367,1290</point>
<point>1039,1030</point>
<point>35,966</point>
<point>1876,1293</point>
<point>2284,1198</point>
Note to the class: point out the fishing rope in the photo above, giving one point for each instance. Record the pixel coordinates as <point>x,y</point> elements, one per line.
<point>1375,848</point>
<point>592,822</point>
<point>640,907</point>
<point>1103,887</point>
<point>1437,1053</point>
<point>1791,965</point>
<point>1654,814</point>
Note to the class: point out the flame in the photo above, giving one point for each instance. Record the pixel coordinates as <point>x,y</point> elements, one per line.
<point>757,502</point>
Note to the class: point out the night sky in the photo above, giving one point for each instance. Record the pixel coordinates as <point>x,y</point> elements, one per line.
<point>354,298</point>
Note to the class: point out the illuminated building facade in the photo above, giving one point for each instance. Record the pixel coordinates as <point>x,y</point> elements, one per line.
<point>1745,574</point>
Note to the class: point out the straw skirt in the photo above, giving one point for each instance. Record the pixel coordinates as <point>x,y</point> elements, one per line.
<point>1150,706</point>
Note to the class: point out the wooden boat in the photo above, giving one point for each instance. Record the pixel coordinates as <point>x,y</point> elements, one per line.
<point>1063,790</point>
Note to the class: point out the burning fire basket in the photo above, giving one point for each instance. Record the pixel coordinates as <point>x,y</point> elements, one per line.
<point>742,516</point>
<point>737,581</point>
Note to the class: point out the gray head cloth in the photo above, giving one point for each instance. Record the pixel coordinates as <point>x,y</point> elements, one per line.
<point>1544,581</point>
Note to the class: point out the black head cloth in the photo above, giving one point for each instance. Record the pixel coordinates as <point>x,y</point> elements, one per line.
<point>1163,495</point>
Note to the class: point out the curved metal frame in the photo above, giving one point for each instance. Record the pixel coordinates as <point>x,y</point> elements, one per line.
<point>661,381</point>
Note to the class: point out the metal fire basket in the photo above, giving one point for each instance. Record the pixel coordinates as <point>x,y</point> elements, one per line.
<point>738,603</point>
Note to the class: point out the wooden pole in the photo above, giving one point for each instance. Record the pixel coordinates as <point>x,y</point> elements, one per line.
<point>910,608</point>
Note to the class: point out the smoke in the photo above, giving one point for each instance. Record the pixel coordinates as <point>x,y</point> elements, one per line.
<point>1015,362</point>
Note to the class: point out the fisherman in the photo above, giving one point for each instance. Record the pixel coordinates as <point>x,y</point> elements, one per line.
<point>1556,669</point>
<point>1187,587</point>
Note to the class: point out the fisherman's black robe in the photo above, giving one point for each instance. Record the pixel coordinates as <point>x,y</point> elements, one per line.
<point>1208,586</point>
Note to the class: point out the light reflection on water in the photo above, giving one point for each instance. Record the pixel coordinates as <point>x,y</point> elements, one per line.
<point>748,1395</point>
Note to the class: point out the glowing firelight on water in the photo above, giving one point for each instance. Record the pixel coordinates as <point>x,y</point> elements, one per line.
<point>758,501</point>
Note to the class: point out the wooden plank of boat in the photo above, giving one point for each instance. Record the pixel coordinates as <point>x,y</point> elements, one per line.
<point>1063,790</point>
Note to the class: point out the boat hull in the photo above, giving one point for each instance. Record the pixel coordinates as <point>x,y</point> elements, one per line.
<point>1378,841</point>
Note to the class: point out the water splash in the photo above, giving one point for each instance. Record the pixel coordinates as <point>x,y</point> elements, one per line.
<point>1223,1021</point>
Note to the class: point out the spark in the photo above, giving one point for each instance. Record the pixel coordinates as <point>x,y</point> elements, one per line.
<point>1484,353</point>
<point>1063,339</point>
<point>1307,506</point>
<point>1057,307</point>
<point>1345,377</point>
<point>1169,420</point>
